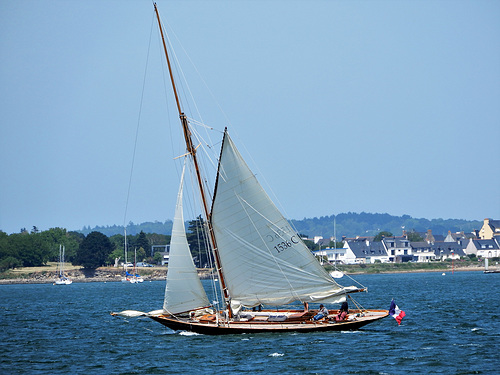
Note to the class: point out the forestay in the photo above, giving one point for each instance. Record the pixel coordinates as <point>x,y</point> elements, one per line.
<point>263,259</point>
<point>184,291</point>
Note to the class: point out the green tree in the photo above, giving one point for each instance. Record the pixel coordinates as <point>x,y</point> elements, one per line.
<point>137,255</point>
<point>31,249</point>
<point>198,242</point>
<point>59,236</point>
<point>381,235</point>
<point>414,237</point>
<point>311,245</point>
<point>158,257</point>
<point>336,245</point>
<point>9,262</point>
<point>118,241</point>
<point>142,242</point>
<point>93,251</point>
<point>7,258</point>
<point>4,242</point>
<point>72,242</point>
<point>116,253</point>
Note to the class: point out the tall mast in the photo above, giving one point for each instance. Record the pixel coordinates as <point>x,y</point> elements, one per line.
<point>192,150</point>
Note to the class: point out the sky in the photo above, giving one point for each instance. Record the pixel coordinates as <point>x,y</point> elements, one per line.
<point>337,106</point>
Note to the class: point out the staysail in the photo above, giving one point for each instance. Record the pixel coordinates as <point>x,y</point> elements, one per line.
<point>184,291</point>
<point>263,258</point>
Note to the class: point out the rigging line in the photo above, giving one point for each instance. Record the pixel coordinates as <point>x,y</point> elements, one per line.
<point>182,82</point>
<point>185,87</point>
<point>138,124</point>
<point>199,75</point>
<point>268,189</point>
<point>178,71</point>
<point>280,236</point>
<point>358,305</point>
<point>166,96</point>
<point>193,201</point>
<point>206,242</point>
<point>199,123</point>
<point>164,76</point>
<point>212,157</point>
<point>356,281</point>
<point>263,241</point>
<point>217,289</point>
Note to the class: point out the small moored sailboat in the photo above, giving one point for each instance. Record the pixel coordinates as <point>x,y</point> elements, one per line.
<point>62,279</point>
<point>260,259</point>
<point>134,277</point>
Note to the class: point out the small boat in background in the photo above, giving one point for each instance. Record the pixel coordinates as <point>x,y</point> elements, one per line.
<point>133,277</point>
<point>62,280</point>
<point>486,268</point>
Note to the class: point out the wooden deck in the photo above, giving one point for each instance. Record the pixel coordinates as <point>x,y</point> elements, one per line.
<point>356,319</point>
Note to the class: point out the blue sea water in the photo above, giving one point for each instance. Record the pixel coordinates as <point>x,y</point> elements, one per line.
<point>452,326</point>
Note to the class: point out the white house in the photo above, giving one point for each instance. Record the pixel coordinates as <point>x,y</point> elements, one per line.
<point>422,252</point>
<point>398,248</point>
<point>332,255</point>
<point>364,251</point>
<point>483,248</point>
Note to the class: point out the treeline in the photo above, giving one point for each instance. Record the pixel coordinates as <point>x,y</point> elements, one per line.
<point>37,248</point>
<point>367,224</point>
<point>346,224</point>
<point>104,245</point>
<point>146,227</point>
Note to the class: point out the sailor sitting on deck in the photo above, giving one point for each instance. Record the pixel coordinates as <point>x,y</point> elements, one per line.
<point>323,312</point>
<point>344,310</point>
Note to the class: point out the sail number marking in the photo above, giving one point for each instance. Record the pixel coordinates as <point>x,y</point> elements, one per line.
<point>283,245</point>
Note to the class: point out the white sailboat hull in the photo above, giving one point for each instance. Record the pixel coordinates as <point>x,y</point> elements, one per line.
<point>63,282</point>
<point>132,280</point>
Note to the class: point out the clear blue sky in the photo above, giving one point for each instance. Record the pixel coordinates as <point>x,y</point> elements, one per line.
<point>375,106</point>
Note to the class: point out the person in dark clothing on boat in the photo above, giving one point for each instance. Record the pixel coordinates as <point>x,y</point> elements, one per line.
<point>257,308</point>
<point>322,313</point>
<point>344,307</point>
<point>344,310</point>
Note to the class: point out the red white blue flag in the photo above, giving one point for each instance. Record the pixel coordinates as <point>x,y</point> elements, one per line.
<point>396,312</point>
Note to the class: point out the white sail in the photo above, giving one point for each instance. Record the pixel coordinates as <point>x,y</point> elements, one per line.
<point>184,291</point>
<point>262,257</point>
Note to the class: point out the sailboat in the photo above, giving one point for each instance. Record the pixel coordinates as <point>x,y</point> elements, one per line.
<point>134,277</point>
<point>486,268</point>
<point>264,269</point>
<point>62,279</point>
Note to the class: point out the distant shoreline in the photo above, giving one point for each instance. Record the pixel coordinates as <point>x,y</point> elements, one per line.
<point>115,275</point>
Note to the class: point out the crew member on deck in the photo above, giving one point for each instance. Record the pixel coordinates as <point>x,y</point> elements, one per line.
<point>344,310</point>
<point>323,312</point>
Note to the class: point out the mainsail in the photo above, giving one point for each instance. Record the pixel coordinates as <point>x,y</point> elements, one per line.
<point>263,259</point>
<point>184,291</point>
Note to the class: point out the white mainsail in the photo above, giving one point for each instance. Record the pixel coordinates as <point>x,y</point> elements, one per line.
<point>184,291</point>
<point>263,259</point>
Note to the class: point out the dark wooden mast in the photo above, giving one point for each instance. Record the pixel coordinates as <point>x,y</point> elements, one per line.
<point>192,150</point>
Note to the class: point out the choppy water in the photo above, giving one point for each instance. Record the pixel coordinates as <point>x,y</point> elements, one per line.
<point>452,327</point>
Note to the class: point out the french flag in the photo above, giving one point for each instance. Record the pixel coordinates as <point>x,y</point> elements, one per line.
<point>396,313</point>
